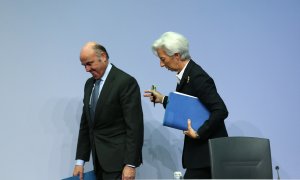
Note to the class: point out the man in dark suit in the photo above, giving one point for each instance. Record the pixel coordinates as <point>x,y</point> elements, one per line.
<point>112,119</point>
<point>173,52</point>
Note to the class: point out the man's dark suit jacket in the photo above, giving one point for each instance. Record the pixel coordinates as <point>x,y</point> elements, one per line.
<point>115,135</point>
<point>196,82</point>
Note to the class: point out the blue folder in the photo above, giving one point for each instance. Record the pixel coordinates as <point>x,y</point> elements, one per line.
<point>86,176</point>
<point>182,107</point>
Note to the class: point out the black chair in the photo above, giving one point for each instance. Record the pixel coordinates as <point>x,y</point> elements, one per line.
<point>240,158</point>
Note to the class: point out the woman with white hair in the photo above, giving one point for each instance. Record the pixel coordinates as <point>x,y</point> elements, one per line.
<point>173,51</point>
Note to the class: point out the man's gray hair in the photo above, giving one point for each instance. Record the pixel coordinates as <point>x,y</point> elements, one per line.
<point>171,43</point>
<point>98,48</point>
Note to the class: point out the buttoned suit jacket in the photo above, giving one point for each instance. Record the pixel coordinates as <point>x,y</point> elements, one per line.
<point>196,82</point>
<point>115,135</point>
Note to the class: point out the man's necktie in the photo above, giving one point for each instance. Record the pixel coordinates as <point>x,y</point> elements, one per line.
<point>94,98</point>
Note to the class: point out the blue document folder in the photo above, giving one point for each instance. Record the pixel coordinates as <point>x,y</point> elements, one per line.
<point>182,107</point>
<point>86,176</point>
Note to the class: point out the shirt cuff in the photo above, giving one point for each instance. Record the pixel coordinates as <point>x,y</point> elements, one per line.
<point>163,99</point>
<point>79,162</point>
<point>130,165</point>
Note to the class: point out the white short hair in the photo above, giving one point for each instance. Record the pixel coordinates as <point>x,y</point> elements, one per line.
<point>171,43</point>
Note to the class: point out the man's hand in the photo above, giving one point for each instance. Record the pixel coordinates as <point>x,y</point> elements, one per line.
<point>190,131</point>
<point>128,173</point>
<point>154,96</point>
<point>78,171</point>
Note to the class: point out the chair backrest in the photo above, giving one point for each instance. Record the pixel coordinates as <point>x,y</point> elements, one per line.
<point>240,158</point>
